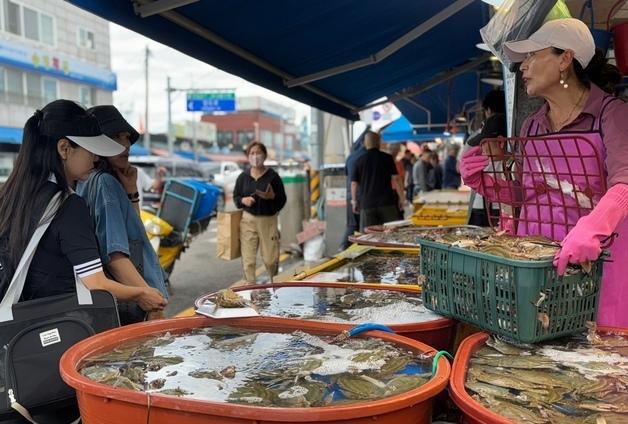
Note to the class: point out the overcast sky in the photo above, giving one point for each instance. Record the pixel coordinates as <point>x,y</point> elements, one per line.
<point>127,58</point>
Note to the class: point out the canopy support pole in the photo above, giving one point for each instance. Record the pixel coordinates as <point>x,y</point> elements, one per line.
<point>386,51</point>
<point>431,83</point>
<point>424,109</point>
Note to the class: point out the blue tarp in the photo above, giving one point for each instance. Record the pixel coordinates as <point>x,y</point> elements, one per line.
<point>401,130</point>
<point>11,135</point>
<point>303,37</point>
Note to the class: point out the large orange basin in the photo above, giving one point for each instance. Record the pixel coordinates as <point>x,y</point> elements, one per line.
<point>473,411</point>
<point>101,404</point>
<point>438,333</point>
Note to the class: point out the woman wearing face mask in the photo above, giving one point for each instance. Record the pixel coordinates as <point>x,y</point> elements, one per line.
<point>559,63</point>
<point>260,192</point>
<point>112,196</point>
<point>59,147</point>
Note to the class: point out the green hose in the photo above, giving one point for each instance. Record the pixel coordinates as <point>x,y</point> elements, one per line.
<point>437,357</point>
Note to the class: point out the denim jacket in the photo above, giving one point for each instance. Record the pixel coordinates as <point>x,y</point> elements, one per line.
<point>119,227</point>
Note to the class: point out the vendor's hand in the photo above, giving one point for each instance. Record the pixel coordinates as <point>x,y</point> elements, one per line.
<point>581,245</point>
<point>248,201</point>
<point>402,204</point>
<point>161,172</point>
<point>471,166</point>
<point>354,207</point>
<point>128,178</point>
<point>151,299</point>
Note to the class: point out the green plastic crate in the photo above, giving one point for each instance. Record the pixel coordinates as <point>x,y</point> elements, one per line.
<point>506,296</point>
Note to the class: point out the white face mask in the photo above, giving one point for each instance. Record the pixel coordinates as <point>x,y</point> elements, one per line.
<point>256,160</point>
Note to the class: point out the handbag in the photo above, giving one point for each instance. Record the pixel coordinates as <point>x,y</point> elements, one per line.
<point>34,334</point>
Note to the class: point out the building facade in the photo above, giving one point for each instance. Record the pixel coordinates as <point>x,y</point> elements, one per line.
<point>49,49</point>
<point>256,118</point>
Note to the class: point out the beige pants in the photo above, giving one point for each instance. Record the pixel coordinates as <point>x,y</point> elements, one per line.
<point>259,231</point>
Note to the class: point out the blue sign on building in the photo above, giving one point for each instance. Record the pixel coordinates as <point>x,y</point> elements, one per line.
<point>214,101</point>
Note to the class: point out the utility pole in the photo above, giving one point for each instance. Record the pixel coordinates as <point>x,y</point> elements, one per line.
<point>146,131</point>
<point>170,135</point>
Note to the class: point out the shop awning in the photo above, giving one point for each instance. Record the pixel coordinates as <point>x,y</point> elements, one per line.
<point>338,56</point>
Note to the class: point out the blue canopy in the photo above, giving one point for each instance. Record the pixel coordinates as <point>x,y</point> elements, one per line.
<point>337,56</point>
<point>401,130</point>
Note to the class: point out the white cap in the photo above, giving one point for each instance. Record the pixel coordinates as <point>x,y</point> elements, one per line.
<point>565,34</point>
<point>100,145</point>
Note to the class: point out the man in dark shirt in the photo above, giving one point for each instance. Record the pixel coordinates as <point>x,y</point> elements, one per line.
<point>451,177</point>
<point>371,189</point>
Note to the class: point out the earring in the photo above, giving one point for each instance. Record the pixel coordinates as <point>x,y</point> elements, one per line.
<point>562,81</point>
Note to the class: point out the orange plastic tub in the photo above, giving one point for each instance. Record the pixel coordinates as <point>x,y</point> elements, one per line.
<point>438,333</point>
<point>473,411</point>
<point>101,404</point>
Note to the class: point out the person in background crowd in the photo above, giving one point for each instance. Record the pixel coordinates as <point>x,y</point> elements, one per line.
<point>353,219</point>
<point>260,192</point>
<point>371,190</point>
<point>494,107</point>
<point>408,161</point>
<point>559,63</point>
<point>420,172</point>
<point>435,175</point>
<point>112,195</point>
<point>393,150</point>
<point>451,174</point>
<point>59,147</point>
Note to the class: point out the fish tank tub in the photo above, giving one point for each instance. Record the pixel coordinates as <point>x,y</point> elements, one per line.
<point>365,264</point>
<point>193,370</point>
<point>581,379</point>
<point>339,307</point>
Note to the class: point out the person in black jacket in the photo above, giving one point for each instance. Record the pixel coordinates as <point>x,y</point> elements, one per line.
<point>259,191</point>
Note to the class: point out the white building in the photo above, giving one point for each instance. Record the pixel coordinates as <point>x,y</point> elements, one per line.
<point>49,49</point>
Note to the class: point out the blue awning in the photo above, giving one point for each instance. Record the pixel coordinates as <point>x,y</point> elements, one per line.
<point>276,44</point>
<point>11,135</point>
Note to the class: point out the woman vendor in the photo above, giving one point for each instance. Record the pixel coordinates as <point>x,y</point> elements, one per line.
<point>559,63</point>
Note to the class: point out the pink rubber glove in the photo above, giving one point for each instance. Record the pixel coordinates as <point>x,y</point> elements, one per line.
<point>472,166</point>
<point>583,243</point>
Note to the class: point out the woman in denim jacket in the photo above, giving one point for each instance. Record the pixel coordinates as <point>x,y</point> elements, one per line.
<point>112,196</point>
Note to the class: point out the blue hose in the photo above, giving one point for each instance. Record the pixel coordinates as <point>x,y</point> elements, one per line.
<point>368,326</point>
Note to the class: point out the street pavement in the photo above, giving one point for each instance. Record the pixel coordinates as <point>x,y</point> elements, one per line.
<point>199,271</point>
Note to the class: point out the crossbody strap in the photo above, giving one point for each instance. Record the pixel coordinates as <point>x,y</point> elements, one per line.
<point>14,291</point>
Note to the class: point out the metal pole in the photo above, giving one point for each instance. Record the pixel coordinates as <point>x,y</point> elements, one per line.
<point>194,139</point>
<point>170,135</point>
<point>146,131</point>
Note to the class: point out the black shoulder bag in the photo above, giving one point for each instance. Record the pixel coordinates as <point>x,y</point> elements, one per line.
<point>35,333</point>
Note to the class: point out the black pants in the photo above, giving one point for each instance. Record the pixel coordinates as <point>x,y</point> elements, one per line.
<point>479,217</point>
<point>353,225</point>
<point>378,216</point>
